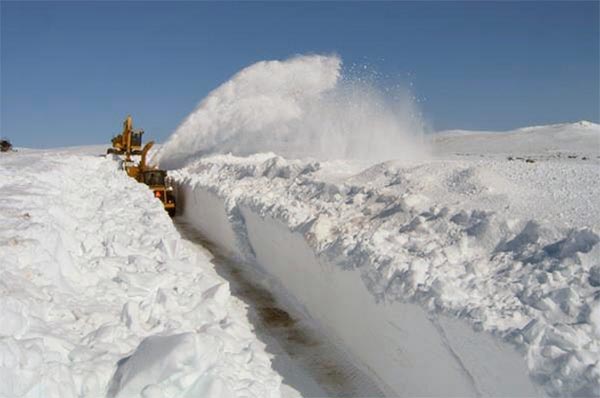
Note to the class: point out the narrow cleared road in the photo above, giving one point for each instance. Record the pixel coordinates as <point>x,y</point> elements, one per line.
<point>306,359</point>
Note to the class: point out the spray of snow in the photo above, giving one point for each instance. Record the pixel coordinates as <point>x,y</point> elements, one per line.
<point>301,107</point>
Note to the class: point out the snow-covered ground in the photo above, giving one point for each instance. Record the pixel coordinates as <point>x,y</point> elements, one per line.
<point>100,296</point>
<point>474,272</point>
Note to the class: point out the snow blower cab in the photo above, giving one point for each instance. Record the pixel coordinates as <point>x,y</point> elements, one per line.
<point>155,178</point>
<point>161,186</point>
<point>128,142</point>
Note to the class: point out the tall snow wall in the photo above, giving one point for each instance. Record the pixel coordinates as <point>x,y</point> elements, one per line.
<point>409,351</point>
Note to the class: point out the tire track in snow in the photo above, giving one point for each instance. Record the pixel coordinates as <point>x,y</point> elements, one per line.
<point>307,361</point>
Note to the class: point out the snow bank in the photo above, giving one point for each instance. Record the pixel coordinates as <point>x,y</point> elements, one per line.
<point>447,277</point>
<point>99,295</point>
<point>299,107</point>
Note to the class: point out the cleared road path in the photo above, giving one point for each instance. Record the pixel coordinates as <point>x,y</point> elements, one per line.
<point>308,362</point>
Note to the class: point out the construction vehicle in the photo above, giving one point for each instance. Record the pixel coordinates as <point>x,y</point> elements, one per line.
<point>156,179</point>
<point>133,169</point>
<point>5,146</point>
<point>160,184</point>
<point>129,141</point>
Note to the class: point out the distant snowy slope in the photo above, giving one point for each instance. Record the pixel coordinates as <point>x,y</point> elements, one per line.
<point>68,150</point>
<point>100,296</point>
<point>91,150</point>
<point>581,137</point>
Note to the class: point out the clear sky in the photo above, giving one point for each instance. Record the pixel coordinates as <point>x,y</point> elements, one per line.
<point>71,71</point>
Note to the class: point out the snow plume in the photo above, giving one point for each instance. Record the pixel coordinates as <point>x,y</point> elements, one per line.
<point>300,107</point>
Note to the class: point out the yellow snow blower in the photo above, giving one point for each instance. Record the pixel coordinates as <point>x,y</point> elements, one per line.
<point>129,143</point>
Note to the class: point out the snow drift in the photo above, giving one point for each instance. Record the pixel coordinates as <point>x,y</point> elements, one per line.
<point>99,295</point>
<point>458,276</point>
<point>300,107</point>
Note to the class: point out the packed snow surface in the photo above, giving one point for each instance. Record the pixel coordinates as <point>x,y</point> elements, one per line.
<point>472,273</point>
<point>100,296</point>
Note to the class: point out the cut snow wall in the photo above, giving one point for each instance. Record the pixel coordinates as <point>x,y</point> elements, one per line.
<point>409,351</point>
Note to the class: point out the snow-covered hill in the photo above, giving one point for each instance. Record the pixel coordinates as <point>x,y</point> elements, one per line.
<point>582,138</point>
<point>99,295</point>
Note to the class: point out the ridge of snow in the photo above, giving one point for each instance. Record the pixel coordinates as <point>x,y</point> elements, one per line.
<point>574,125</point>
<point>506,247</point>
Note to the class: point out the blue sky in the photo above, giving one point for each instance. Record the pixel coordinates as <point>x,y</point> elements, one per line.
<point>71,71</point>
